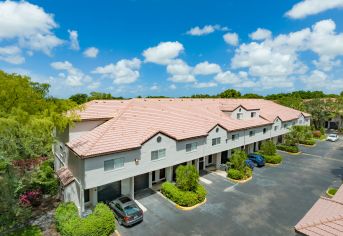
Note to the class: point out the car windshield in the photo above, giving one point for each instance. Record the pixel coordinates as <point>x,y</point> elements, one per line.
<point>333,135</point>
<point>131,209</point>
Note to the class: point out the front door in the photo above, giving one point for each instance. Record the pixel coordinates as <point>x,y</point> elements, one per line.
<point>224,157</point>
<point>201,163</point>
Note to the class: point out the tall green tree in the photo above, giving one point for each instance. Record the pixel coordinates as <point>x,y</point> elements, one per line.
<point>230,93</point>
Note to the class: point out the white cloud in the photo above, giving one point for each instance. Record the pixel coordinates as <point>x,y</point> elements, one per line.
<point>173,86</point>
<point>227,77</point>
<point>30,24</point>
<point>231,38</point>
<point>163,53</point>
<point>123,72</point>
<point>260,34</point>
<point>207,29</point>
<point>11,54</point>
<point>311,7</point>
<point>205,68</point>
<point>91,52</point>
<point>205,85</point>
<point>180,72</point>
<point>74,41</point>
<point>74,77</point>
<point>154,87</point>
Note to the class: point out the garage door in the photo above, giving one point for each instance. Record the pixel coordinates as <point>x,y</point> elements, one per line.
<point>109,192</point>
<point>141,182</point>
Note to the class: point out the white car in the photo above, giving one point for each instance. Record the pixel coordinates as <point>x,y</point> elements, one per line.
<point>332,137</point>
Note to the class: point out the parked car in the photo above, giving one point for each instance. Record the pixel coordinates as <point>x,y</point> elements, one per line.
<point>257,159</point>
<point>126,211</point>
<point>332,137</point>
<point>250,163</point>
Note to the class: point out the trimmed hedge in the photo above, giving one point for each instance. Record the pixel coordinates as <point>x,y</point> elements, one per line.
<point>287,148</point>
<point>183,198</point>
<point>308,142</point>
<point>273,159</point>
<point>239,175</point>
<point>99,223</point>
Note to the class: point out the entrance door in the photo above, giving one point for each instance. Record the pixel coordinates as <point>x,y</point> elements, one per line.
<point>201,163</point>
<point>224,157</point>
<point>162,173</point>
<point>141,182</point>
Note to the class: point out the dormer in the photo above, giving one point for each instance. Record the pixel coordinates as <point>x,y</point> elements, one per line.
<point>241,113</point>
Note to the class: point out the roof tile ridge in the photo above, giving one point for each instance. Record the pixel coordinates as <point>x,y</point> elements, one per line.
<point>110,122</point>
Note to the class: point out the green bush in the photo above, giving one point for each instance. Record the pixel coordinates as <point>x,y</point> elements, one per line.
<point>239,174</point>
<point>332,191</point>
<point>235,174</point>
<point>308,142</point>
<point>322,131</point>
<point>287,148</point>
<point>99,223</point>
<point>44,178</point>
<point>28,231</point>
<point>183,198</point>
<point>237,160</point>
<point>268,148</point>
<point>273,159</point>
<point>187,178</point>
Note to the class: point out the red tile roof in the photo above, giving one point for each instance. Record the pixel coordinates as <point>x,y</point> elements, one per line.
<point>324,218</point>
<point>136,120</point>
<point>65,176</point>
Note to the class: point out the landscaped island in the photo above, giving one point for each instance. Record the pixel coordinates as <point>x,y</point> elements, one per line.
<point>187,191</point>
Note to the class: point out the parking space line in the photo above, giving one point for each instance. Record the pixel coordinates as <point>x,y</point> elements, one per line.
<point>312,155</point>
<point>333,159</point>
<point>206,181</point>
<point>141,206</point>
<point>231,188</point>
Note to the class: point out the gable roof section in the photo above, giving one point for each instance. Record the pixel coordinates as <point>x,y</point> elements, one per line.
<point>137,120</point>
<point>324,218</point>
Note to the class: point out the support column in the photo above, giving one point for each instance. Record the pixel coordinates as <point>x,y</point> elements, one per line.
<point>150,179</point>
<point>189,163</point>
<point>197,164</point>
<point>93,195</point>
<point>169,173</point>
<point>132,192</point>
<point>127,187</point>
<point>218,160</point>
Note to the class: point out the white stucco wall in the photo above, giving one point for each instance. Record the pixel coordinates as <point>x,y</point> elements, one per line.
<point>246,113</point>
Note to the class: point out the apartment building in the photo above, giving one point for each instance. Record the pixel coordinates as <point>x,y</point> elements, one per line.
<point>119,147</point>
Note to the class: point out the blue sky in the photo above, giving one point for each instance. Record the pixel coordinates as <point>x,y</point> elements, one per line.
<point>174,48</point>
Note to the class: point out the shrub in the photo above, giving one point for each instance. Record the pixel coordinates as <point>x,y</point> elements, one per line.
<point>287,148</point>
<point>308,142</point>
<point>44,178</point>
<point>187,178</point>
<point>237,160</point>
<point>99,223</point>
<point>317,134</point>
<point>273,159</point>
<point>268,148</point>
<point>183,198</point>
<point>322,131</point>
<point>28,231</point>
<point>235,174</point>
<point>31,198</point>
<point>332,191</point>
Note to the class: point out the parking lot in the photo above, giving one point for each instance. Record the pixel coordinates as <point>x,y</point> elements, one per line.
<point>270,204</point>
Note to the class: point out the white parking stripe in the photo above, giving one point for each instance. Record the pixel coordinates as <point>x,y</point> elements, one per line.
<point>141,206</point>
<point>206,181</point>
<point>231,188</point>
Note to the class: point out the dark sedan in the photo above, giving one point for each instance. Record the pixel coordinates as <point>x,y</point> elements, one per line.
<point>126,211</point>
<point>257,159</point>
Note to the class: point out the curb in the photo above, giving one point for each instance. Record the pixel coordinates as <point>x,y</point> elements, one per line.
<point>273,165</point>
<point>192,207</point>
<point>291,153</point>
<point>305,145</point>
<point>240,181</point>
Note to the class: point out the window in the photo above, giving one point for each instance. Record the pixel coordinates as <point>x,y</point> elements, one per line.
<point>251,133</point>
<point>215,141</point>
<point>114,164</point>
<point>239,116</point>
<point>159,138</point>
<point>235,137</point>
<point>264,130</point>
<point>253,114</point>
<point>158,154</point>
<point>276,128</point>
<point>217,130</point>
<point>190,147</point>
<point>285,126</point>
